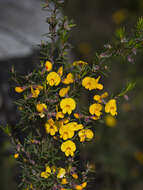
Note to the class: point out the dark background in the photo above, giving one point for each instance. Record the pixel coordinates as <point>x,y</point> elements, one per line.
<point>117,153</point>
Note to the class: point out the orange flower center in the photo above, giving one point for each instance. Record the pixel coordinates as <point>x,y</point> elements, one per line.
<point>68,106</point>
<point>89,83</point>
<point>68,149</point>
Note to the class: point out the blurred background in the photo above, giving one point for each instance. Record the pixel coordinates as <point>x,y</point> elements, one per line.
<point>117,153</point>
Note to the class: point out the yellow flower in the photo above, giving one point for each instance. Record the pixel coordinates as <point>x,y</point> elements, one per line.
<point>47,173</point>
<point>48,66</point>
<point>75,176</point>
<point>68,148</point>
<point>66,132</point>
<point>85,134</point>
<point>59,115</point>
<point>111,107</point>
<point>69,79</point>
<point>95,109</point>
<point>50,127</point>
<point>60,71</point>
<point>16,155</point>
<point>88,83</point>
<point>39,87</point>
<point>76,115</point>
<point>79,63</point>
<point>67,105</point>
<point>64,181</point>
<point>65,120</point>
<point>35,92</point>
<point>91,83</point>
<point>99,98</point>
<point>31,186</point>
<point>41,107</point>
<point>84,184</point>
<point>19,89</point>
<point>78,187</point>
<point>63,91</point>
<point>61,173</point>
<point>75,126</point>
<point>95,117</point>
<point>53,79</point>
<point>110,121</point>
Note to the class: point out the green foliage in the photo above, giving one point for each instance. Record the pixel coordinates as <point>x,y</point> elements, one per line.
<point>139,28</point>
<point>120,33</point>
<point>128,88</point>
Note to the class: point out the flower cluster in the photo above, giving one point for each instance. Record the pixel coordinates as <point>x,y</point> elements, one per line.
<point>62,124</point>
<point>61,105</point>
<point>63,177</point>
<point>56,104</point>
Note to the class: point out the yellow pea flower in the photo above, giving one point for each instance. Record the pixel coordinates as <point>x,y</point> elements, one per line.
<point>78,187</point>
<point>91,83</point>
<point>47,173</point>
<point>79,63</point>
<point>59,115</point>
<point>60,71</point>
<point>67,105</point>
<point>35,92</point>
<point>98,85</point>
<point>99,98</point>
<point>61,173</point>
<point>19,89</point>
<point>64,181</point>
<point>76,115</point>
<point>84,184</point>
<point>88,83</point>
<point>63,91</point>
<point>104,95</point>
<point>75,176</point>
<point>66,132</point>
<point>39,87</point>
<point>69,79</point>
<point>85,134</point>
<point>75,126</point>
<point>111,107</point>
<point>95,109</point>
<point>16,155</point>
<point>53,79</point>
<point>48,66</point>
<point>41,107</point>
<point>50,127</point>
<point>68,148</point>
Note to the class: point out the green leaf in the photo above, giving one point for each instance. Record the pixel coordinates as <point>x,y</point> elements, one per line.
<point>139,26</point>
<point>6,130</point>
<point>120,33</point>
<point>129,87</point>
